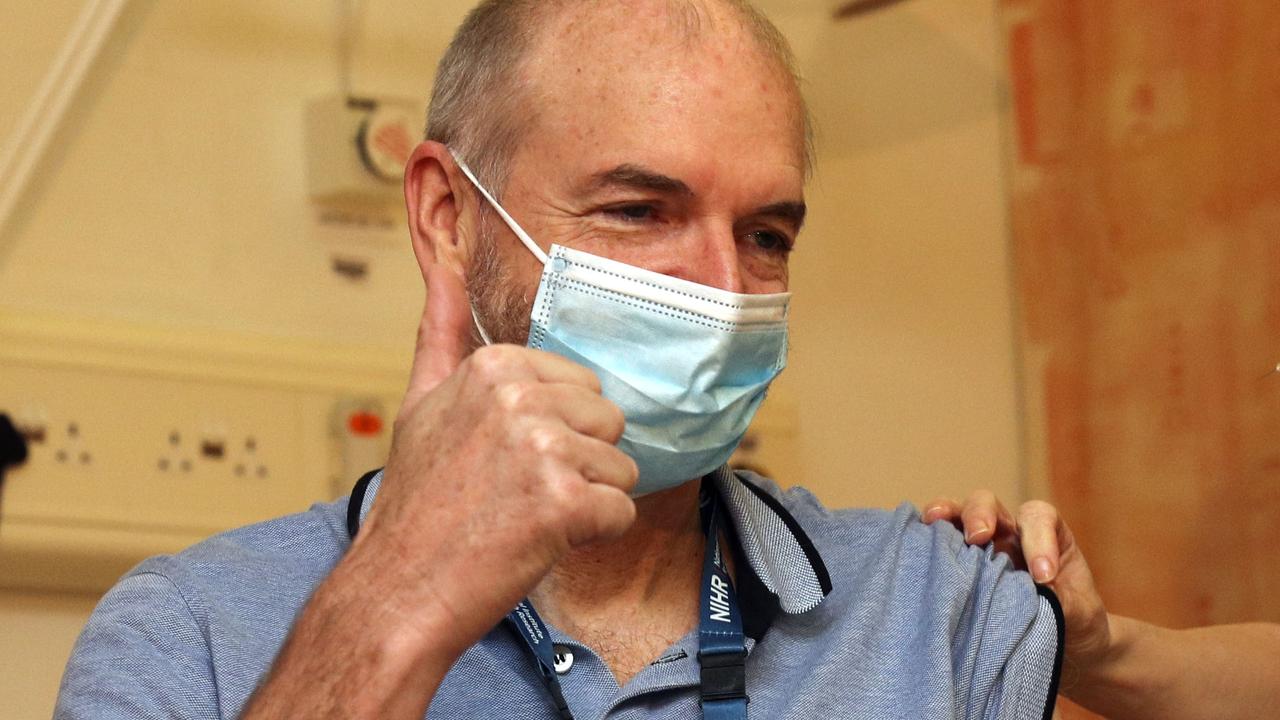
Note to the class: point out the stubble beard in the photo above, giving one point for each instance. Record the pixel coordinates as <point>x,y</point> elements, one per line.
<point>495,295</point>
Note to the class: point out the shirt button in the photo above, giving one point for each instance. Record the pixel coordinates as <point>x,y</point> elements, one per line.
<point>563,659</point>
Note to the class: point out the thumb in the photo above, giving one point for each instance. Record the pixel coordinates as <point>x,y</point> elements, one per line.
<point>444,336</point>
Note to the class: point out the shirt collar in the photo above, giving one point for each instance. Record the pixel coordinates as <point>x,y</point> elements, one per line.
<point>776,549</point>
<point>784,570</point>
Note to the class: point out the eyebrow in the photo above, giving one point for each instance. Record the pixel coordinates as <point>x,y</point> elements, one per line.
<point>792,212</point>
<point>638,177</point>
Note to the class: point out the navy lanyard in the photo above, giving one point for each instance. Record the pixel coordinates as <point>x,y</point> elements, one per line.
<point>534,631</point>
<point>722,647</point>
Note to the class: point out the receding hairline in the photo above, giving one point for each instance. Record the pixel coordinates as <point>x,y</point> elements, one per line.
<point>491,104</point>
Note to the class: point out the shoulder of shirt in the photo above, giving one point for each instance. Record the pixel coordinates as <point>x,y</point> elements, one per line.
<point>999,634</point>
<point>857,543</point>
<point>298,549</point>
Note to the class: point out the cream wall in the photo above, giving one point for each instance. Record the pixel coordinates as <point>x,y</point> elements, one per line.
<point>176,199</point>
<point>903,365</point>
<point>177,187</point>
<point>37,631</point>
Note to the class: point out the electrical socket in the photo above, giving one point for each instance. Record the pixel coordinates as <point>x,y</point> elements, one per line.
<point>63,440</point>
<point>159,451</point>
<point>209,452</point>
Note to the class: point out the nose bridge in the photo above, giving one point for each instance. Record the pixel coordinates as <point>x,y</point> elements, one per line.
<point>719,265</point>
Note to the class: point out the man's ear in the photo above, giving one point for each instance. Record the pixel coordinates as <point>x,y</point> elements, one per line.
<point>435,198</point>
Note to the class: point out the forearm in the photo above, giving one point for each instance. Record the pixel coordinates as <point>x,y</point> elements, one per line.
<point>1218,672</point>
<point>351,654</point>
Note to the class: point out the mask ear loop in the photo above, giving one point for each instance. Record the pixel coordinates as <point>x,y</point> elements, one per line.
<point>510,221</point>
<point>479,328</point>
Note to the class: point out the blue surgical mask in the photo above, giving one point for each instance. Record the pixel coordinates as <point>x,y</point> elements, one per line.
<point>688,364</point>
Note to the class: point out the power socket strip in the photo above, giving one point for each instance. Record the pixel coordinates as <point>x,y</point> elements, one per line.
<point>135,451</point>
<point>144,440</point>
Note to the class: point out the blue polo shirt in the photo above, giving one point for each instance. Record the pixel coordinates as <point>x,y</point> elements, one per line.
<point>849,614</point>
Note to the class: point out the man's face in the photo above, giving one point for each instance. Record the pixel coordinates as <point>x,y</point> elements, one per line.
<point>684,156</point>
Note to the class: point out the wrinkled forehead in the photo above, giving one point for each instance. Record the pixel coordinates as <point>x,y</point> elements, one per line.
<point>692,75</point>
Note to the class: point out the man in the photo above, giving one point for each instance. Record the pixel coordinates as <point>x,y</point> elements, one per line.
<point>638,183</point>
<point>666,138</point>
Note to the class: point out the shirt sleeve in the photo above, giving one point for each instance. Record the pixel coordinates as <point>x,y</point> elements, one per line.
<point>1007,650</point>
<point>1034,668</point>
<point>141,655</point>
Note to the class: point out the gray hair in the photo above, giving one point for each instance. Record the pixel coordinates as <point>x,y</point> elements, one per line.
<point>478,105</point>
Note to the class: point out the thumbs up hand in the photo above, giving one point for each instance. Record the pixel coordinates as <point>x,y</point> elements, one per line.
<point>501,462</point>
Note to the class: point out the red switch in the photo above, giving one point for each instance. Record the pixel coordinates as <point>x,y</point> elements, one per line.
<point>364,424</point>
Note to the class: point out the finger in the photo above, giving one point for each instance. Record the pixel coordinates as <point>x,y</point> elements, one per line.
<point>603,464</point>
<point>603,513</point>
<point>584,411</point>
<point>1005,539</point>
<point>1006,524</point>
<point>1038,526</point>
<point>587,412</point>
<point>1010,544</point>
<point>550,367</point>
<point>554,451</point>
<point>443,335</point>
<point>940,509</point>
<point>496,365</point>
<point>979,517</point>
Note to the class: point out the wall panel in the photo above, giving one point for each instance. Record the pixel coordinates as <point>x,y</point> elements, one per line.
<point>1146,219</point>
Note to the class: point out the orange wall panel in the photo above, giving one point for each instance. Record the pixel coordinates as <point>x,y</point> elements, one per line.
<point>1146,223</point>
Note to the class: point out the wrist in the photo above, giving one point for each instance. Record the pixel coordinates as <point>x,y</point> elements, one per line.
<point>1115,678</point>
<point>346,658</point>
<point>401,618</point>
<point>356,646</point>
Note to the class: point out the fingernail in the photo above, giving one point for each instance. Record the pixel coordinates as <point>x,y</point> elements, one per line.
<point>932,513</point>
<point>977,530</point>
<point>1042,570</point>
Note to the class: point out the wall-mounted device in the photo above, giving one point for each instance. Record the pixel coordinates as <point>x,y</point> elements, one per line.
<point>362,438</point>
<point>357,148</point>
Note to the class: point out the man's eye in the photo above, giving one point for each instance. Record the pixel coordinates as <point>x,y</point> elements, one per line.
<point>632,213</point>
<point>771,241</point>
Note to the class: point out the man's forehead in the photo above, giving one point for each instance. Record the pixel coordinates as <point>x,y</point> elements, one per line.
<point>617,33</point>
<point>611,75</point>
<point>673,21</point>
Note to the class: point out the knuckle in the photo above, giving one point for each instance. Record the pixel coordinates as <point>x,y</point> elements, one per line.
<point>491,362</point>
<point>564,497</point>
<point>544,442</point>
<point>982,498</point>
<point>1038,510</point>
<point>552,498</point>
<point>511,397</point>
<point>951,507</point>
